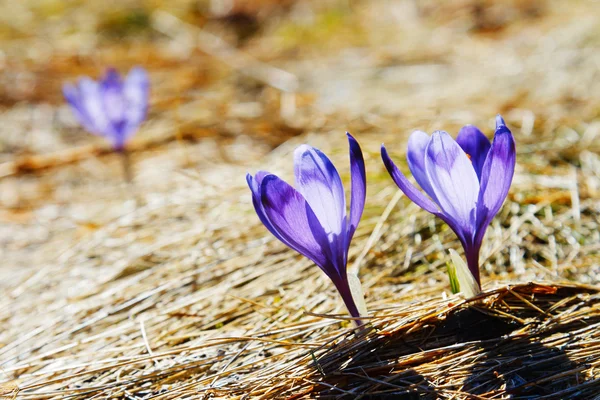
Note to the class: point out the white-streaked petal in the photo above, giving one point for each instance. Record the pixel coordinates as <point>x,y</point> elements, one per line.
<point>112,96</point>
<point>415,156</point>
<point>453,179</point>
<point>406,186</point>
<point>93,105</point>
<point>294,220</point>
<point>136,91</point>
<point>320,184</point>
<point>73,97</point>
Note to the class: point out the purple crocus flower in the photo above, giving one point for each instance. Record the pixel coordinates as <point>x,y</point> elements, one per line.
<point>112,107</point>
<point>312,218</point>
<point>467,180</point>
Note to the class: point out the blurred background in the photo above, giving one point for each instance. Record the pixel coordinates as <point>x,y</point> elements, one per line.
<point>219,68</point>
<point>234,79</point>
<point>225,69</point>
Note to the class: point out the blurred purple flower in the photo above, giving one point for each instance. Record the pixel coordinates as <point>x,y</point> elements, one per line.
<point>312,219</point>
<point>112,107</point>
<point>467,180</point>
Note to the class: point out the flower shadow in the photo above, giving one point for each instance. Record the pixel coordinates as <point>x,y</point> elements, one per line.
<point>473,351</point>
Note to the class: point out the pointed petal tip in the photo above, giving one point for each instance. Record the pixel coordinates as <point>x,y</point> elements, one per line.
<point>387,160</point>
<point>111,74</point>
<point>353,142</point>
<point>111,71</point>
<point>405,186</point>
<point>501,127</point>
<point>499,121</point>
<point>384,155</point>
<point>351,139</point>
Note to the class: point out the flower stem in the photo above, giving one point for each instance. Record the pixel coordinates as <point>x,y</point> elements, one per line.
<point>473,263</point>
<point>126,162</point>
<point>344,290</point>
<point>128,176</point>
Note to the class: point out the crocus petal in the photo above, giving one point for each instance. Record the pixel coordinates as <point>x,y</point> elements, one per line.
<point>359,185</point>
<point>453,179</point>
<point>496,177</point>
<point>418,197</point>
<point>112,96</point>
<point>294,220</point>
<point>254,183</point>
<point>73,97</point>
<point>320,184</point>
<point>92,104</point>
<point>136,92</point>
<point>417,143</point>
<point>475,144</point>
<point>499,121</point>
<point>408,188</point>
<point>115,106</point>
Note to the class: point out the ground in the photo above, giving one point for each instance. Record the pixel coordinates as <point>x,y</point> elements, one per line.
<point>171,288</point>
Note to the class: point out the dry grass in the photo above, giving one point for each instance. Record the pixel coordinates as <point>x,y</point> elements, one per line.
<point>172,289</point>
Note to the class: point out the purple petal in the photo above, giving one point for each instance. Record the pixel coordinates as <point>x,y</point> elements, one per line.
<point>496,177</point>
<point>408,188</point>
<point>499,121</point>
<point>359,185</point>
<point>320,184</point>
<point>254,184</point>
<point>115,105</point>
<point>136,91</point>
<point>417,143</point>
<point>112,95</point>
<point>92,104</point>
<point>73,97</point>
<point>417,197</point>
<point>293,219</point>
<point>475,144</point>
<point>453,179</point>
<point>342,286</point>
